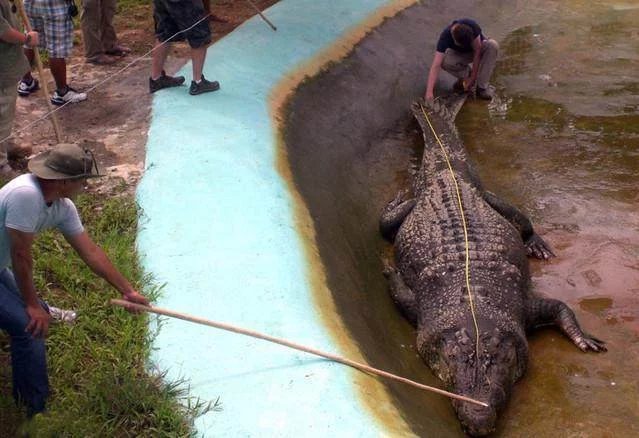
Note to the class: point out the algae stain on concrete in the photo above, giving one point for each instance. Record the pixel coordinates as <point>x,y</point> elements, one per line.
<point>372,392</point>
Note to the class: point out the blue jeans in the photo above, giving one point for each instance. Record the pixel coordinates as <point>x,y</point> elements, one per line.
<point>28,354</point>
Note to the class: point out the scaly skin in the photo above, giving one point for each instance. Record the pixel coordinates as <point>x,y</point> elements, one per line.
<point>429,280</point>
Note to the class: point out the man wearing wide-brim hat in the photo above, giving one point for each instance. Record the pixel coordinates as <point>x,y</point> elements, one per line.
<point>29,204</point>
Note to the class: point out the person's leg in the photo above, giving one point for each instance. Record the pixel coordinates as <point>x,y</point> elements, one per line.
<point>28,354</point>
<point>159,58</point>
<point>59,31</point>
<point>58,67</point>
<point>109,37</point>
<point>92,30</point>
<point>8,96</point>
<point>28,84</point>
<point>198,56</point>
<point>30,54</point>
<point>199,86</point>
<point>59,35</point>
<point>199,37</point>
<point>166,29</point>
<point>457,63</point>
<point>489,52</point>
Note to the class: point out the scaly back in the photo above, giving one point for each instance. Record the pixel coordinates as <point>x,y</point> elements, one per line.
<point>436,119</point>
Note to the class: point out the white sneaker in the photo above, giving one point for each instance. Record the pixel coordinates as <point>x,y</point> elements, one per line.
<point>70,95</point>
<point>25,88</point>
<point>62,315</point>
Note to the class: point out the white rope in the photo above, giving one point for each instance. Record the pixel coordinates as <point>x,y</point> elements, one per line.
<point>108,78</point>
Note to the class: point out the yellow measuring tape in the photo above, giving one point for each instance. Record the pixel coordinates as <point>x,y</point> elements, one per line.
<point>463,218</point>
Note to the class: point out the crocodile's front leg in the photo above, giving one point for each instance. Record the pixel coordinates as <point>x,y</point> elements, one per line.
<point>394,214</point>
<point>535,245</point>
<point>402,295</point>
<point>545,311</point>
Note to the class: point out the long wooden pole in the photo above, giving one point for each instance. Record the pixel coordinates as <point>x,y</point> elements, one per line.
<point>262,16</point>
<point>333,357</point>
<point>38,61</point>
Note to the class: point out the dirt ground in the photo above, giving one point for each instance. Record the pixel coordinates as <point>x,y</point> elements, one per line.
<point>114,120</point>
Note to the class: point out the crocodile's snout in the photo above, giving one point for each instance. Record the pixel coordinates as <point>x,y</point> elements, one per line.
<point>487,378</point>
<point>476,420</point>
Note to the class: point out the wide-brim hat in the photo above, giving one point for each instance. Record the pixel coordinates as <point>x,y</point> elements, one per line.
<point>65,161</point>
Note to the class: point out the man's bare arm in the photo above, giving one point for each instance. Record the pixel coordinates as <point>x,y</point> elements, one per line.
<point>476,60</point>
<point>14,36</point>
<point>99,263</point>
<point>433,74</point>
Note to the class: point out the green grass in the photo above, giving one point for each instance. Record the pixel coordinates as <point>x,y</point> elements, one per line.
<point>127,5</point>
<point>97,367</point>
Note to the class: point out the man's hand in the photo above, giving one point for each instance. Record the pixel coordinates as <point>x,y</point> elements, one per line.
<point>33,39</point>
<point>135,297</point>
<point>469,82</point>
<point>39,321</point>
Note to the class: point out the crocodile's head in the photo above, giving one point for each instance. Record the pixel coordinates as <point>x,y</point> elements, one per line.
<point>489,379</point>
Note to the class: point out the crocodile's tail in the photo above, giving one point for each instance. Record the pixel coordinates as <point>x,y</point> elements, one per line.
<point>437,120</point>
<point>442,143</point>
<point>443,108</point>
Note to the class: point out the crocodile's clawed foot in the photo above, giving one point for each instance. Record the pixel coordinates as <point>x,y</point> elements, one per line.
<point>590,343</point>
<point>389,269</point>
<point>399,198</point>
<point>538,248</point>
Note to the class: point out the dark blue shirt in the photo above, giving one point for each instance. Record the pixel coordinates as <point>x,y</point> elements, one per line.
<point>446,40</point>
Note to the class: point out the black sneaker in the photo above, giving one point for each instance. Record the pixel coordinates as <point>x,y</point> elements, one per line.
<point>484,93</point>
<point>25,88</point>
<point>203,87</point>
<point>165,81</point>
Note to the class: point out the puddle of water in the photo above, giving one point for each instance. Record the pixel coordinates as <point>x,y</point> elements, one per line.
<point>562,143</point>
<point>557,145</point>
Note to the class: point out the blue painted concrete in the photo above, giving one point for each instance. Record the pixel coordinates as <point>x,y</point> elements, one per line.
<point>218,230</point>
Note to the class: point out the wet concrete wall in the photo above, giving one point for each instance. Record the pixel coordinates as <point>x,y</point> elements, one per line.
<point>346,135</point>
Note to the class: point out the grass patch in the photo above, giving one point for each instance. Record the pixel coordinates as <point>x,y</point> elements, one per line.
<point>128,5</point>
<point>97,367</point>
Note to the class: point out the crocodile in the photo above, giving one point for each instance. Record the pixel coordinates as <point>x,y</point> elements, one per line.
<point>474,342</point>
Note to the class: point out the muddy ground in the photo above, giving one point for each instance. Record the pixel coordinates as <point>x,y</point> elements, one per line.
<point>114,120</point>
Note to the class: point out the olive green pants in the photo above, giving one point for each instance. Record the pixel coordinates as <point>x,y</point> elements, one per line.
<point>458,64</point>
<point>96,22</point>
<point>8,97</point>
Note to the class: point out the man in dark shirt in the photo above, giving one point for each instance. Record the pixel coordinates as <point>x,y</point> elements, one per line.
<point>461,44</point>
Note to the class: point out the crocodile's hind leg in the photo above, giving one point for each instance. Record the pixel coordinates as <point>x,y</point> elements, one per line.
<point>402,295</point>
<point>544,311</point>
<point>535,245</point>
<point>394,214</point>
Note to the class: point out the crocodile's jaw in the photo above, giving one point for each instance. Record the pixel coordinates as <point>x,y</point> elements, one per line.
<point>489,380</point>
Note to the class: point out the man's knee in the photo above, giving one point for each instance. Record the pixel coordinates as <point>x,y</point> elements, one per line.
<point>490,45</point>
<point>15,324</point>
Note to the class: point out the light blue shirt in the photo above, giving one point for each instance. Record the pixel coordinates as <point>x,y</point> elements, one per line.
<point>22,208</point>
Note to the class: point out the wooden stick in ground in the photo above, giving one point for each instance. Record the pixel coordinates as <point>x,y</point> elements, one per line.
<point>38,61</point>
<point>333,357</point>
<point>262,15</point>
